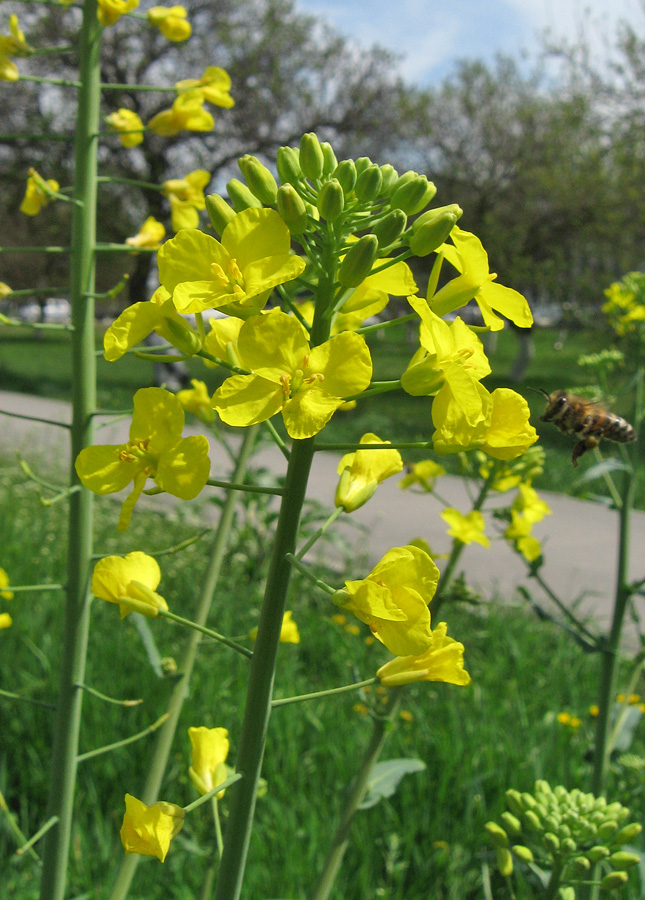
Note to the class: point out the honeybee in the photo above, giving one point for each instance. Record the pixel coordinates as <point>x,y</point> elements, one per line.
<point>587,420</point>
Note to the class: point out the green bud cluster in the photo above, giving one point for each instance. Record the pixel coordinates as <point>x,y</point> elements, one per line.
<point>566,831</point>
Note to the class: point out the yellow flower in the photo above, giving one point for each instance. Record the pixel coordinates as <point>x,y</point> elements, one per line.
<point>5,620</point>
<point>360,709</point>
<point>352,629</point>
<point>424,474</point>
<point>221,340</point>
<point>564,718</point>
<point>307,384</point>
<point>442,661</point>
<point>372,295</point>
<point>528,503</point>
<point>110,11</point>
<point>289,633</point>
<point>210,749</point>
<point>186,114</point>
<point>214,87</point>
<point>186,197</point>
<point>593,710</point>
<point>171,22</point>
<point>4,581</point>
<point>468,256</point>
<point>339,619</point>
<point>236,275</point>
<point>149,236</point>
<point>148,830</point>
<point>128,125</point>
<point>38,193</point>
<point>529,547</point>
<point>155,450</point>
<point>130,581</point>
<point>634,699</point>
<point>197,400</point>
<point>406,715</point>
<point>393,600</point>
<point>575,722</point>
<point>466,528</point>
<point>361,473</point>
<point>157,314</point>
<point>13,44</point>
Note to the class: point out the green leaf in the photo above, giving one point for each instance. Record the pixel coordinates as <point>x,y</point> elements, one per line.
<point>600,469</point>
<point>385,776</point>
<point>628,726</point>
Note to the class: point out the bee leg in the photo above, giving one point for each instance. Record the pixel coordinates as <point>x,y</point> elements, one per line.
<point>578,450</point>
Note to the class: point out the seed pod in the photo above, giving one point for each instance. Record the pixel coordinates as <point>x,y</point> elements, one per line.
<point>523,853</point>
<point>241,197</point>
<point>219,212</point>
<point>504,861</point>
<point>288,165</point>
<point>496,834</point>
<point>261,182</point>
<point>292,209</point>
<point>312,158</point>
<point>613,880</point>
<point>358,261</point>
<point>329,158</point>
<point>622,859</point>
<point>345,172</point>
<point>331,200</point>
<point>368,183</point>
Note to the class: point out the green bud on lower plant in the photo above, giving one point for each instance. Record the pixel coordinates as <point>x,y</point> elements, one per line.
<point>496,834</point>
<point>260,180</point>
<point>595,854</point>
<point>523,853</point>
<point>613,880</point>
<point>411,196</point>
<point>390,228</point>
<point>288,165</point>
<point>551,822</point>
<point>568,845</point>
<point>331,200</point>
<point>580,865</point>
<point>219,212</point>
<point>532,821</point>
<point>292,209</point>
<point>607,830</point>
<point>512,823</point>
<point>514,801</point>
<point>329,158</point>
<point>312,159</point>
<point>627,833</point>
<point>433,234</point>
<point>551,842</point>
<point>240,196</point>
<point>622,859</point>
<point>345,172</point>
<point>358,261</point>
<point>368,183</point>
<point>504,861</point>
<point>390,176</point>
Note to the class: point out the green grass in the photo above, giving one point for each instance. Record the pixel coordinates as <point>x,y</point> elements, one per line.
<point>426,841</point>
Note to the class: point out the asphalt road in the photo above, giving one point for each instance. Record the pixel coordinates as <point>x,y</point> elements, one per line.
<point>580,537</point>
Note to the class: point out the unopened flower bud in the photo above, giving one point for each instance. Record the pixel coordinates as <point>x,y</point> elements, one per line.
<point>504,861</point>
<point>613,880</point>
<point>312,158</point>
<point>292,209</point>
<point>345,172</point>
<point>512,823</point>
<point>532,821</point>
<point>580,865</point>
<point>607,830</point>
<point>622,859</point>
<point>331,200</point>
<point>628,833</point>
<point>422,378</point>
<point>551,842</point>
<point>358,261</point>
<point>183,337</point>
<point>368,183</point>
<point>260,180</point>
<point>568,845</point>
<point>567,893</point>
<point>595,854</point>
<point>496,834</point>
<point>288,165</point>
<point>390,177</point>
<point>350,494</point>
<point>413,195</point>
<point>528,800</point>
<point>329,158</point>
<point>341,597</point>
<point>390,228</point>
<point>240,196</point>
<point>514,801</point>
<point>362,163</point>
<point>541,786</point>
<point>219,212</point>
<point>523,853</point>
<point>551,823</point>
<point>432,234</point>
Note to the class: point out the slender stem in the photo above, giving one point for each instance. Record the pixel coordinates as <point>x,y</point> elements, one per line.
<point>245,488</point>
<point>391,323</point>
<point>49,249</point>
<point>117,744</point>
<point>134,182</point>
<point>11,696</point>
<point>137,87</point>
<point>165,614</point>
<point>359,788</point>
<point>165,735</point>
<point>105,698</point>
<point>76,628</point>
<point>36,837</point>
<point>280,444</point>
<point>29,292</point>
<point>213,791</point>
<point>122,248</point>
<point>358,685</point>
<point>16,588</point>
<point>303,569</point>
<point>61,82</point>
<point>337,513</point>
<point>15,828</point>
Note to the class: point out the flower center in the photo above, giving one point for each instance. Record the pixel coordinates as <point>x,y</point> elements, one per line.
<point>137,452</point>
<point>300,379</point>
<point>231,278</point>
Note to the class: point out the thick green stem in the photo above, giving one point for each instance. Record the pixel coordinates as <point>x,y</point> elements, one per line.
<point>166,734</point>
<point>65,746</point>
<point>359,787</point>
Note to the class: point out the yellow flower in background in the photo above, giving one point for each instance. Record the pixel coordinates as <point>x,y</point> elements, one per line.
<point>393,600</point>
<point>529,504</point>
<point>127,125</point>
<point>38,193</point>
<point>5,620</point>
<point>466,528</point>
<point>13,44</point>
<point>197,401</point>
<point>186,197</point>
<point>362,472</point>
<point>442,661</point>
<point>149,236</point>
<point>4,582</point>
<point>594,710</point>
<point>424,474</point>
<point>139,320</point>
<point>564,718</point>
<point>131,582</point>
<point>240,272</point>
<point>171,22</point>
<point>308,384</point>
<point>148,830</point>
<point>110,11</point>
<point>186,114</point>
<point>468,256</point>
<point>214,87</point>
<point>210,749</point>
<point>289,633</point>
<point>155,450</point>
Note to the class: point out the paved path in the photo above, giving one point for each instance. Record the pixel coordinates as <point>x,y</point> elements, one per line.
<point>580,537</point>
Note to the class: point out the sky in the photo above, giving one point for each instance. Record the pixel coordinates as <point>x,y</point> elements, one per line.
<point>431,36</point>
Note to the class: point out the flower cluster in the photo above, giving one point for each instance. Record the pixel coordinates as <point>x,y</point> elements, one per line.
<point>12,44</point>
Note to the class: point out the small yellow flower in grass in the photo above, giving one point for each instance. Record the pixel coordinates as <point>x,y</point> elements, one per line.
<point>369,640</point>
<point>252,258</point>
<point>197,400</point>
<point>149,236</point>
<point>574,723</point>
<point>393,600</point>
<point>127,125</point>
<point>214,87</point>
<point>130,581</point>
<point>171,22</point>
<point>289,633</point>
<point>210,749</point>
<point>307,384</point>
<point>442,661</point>
<point>564,718</point>
<point>620,698</point>
<point>593,710</point>
<point>633,699</point>
<point>155,450</point>
<point>4,581</point>
<point>139,320</point>
<point>5,620</point>
<point>339,619</point>
<point>37,194</point>
<point>110,11</point>
<point>186,114</point>
<point>360,709</point>
<point>468,256</point>
<point>406,715</point>
<point>186,197</point>
<point>352,629</point>
<point>424,474</point>
<point>362,472</point>
<point>466,528</point>
<point>148,830</point>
